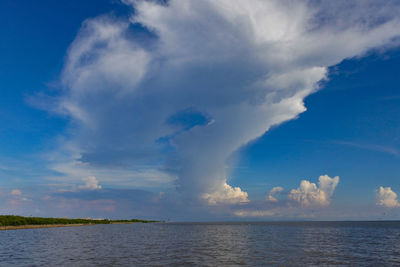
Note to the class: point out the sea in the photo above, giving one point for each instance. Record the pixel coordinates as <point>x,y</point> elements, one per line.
<point>206,244</point>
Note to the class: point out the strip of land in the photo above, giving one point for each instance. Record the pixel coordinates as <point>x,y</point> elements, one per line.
<point>11,222</point>
<point>38,226</point>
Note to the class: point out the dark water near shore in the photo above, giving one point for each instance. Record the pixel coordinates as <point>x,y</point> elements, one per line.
<point>205,244</point>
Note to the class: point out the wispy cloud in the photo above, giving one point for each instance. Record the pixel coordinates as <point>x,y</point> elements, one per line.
<point>373,147</point>
<point>391,97</point>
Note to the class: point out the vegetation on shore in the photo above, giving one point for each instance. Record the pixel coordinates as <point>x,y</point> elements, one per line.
<point>12,220</point>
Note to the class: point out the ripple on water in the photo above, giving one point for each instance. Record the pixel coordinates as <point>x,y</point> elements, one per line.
<point>207,244</point>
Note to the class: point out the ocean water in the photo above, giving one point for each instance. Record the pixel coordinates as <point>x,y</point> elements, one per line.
<point>206,244</point>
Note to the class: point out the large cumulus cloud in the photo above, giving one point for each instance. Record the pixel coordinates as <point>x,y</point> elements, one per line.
<point>184,83</point>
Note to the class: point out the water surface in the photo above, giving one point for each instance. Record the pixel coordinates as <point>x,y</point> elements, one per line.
<point>205,244</point>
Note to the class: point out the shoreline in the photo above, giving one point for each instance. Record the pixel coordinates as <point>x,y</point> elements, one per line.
<point>18,227</point>
<point>14,222</point>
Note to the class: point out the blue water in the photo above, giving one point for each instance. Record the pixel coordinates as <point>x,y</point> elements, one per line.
<point>205,244</point>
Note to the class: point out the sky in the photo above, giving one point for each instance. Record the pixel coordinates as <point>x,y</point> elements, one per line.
<point>209,110</point>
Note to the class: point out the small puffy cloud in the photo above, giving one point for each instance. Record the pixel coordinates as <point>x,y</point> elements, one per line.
<point>91,183</point>
<point>226,194</point>
<point>386,197</point>
<point>309,194</point>
<point>16,192</point>
<point>275,190</point>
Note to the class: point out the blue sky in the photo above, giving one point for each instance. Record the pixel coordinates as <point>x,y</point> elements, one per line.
<point>188,111</point>
<point>351,128</point>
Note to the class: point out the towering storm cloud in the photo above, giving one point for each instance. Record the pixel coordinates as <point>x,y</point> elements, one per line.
<point>184,83</point>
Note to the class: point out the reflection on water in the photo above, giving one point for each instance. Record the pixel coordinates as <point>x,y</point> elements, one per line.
<point>205,244</point>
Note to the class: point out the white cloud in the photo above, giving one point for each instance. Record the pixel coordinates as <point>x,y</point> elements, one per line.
<point>229,195</point>
<point>373,147</point>
<point>91,183</point>
<point>16,192</point>
<point>67,161</point>
<point>386,197</point>
<point>309,194</point>
<point>243,65</point>
<point>272,192</point>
